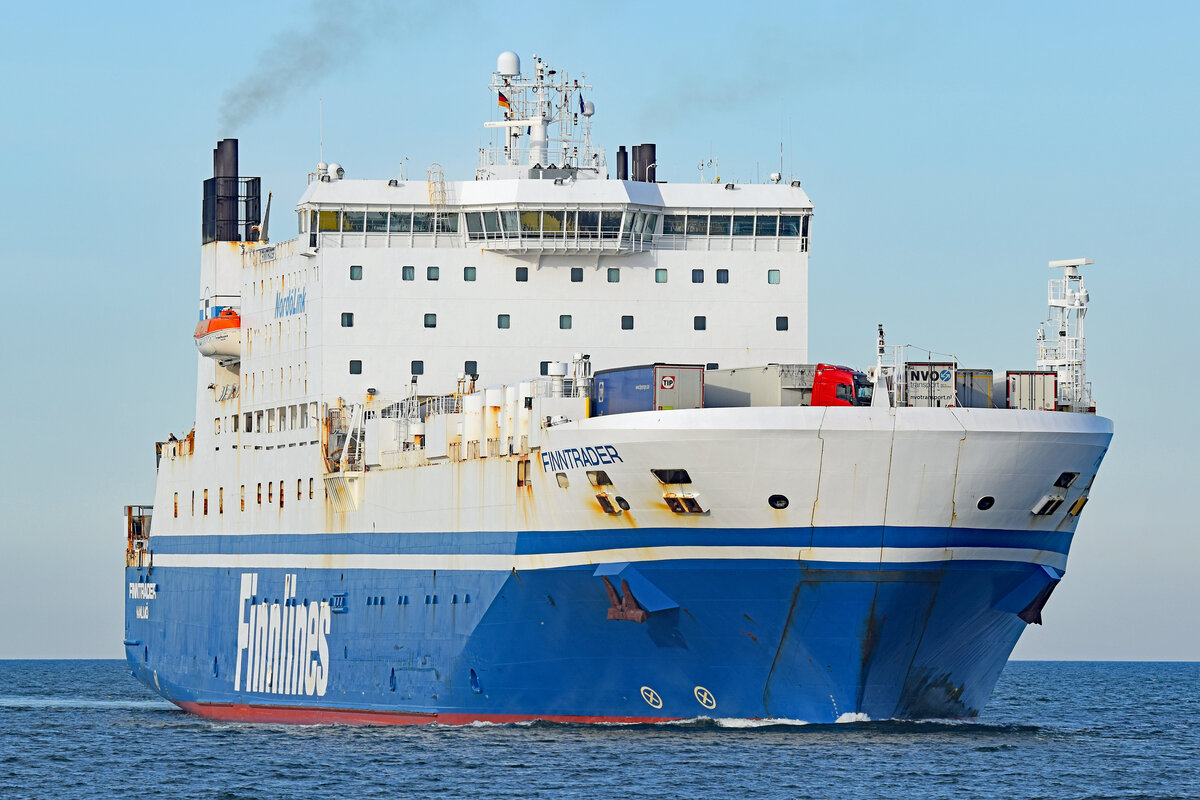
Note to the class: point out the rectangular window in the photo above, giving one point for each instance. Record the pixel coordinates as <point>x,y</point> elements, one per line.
<point>354,221</point>
<point>356,367</point>
<point>422,222</point>
<point>610,224</point>
<point>789,225</point>
<point>718,226</point>
<point>270,420</point>
<point>303,416</point>
<point>614,274</point>
<point>697,276</point>
<point>220,499</point>
<point>544,368</point>
<point>564,322</point>
<point>400,221</point>
<point>552,224</point>
<point>347,319</point>
<point>781,323</point>
<point>507,221</point>
<point>216,426</point>
<point>431,320</point>
<point>249,426</point>
<point>329,221</point>
<point>377,222</point>
<point>576,274</point>
<point>310,488</point>
<point>502,321</point>
<point>673,224</point>
<point>627,322</point>
<point>258,421</point>
<point>242,495</point>
<point>522,274</point>
<point>408,273</point>
<point>271,491</point>
<point>260,494</point>
<point>743,225</point>
<point>356,273</point>
<point>471,367</point>
<point>766,226</point>
<point>468,273</point>
<point>447,223</point>
<point>804,225</point>
<point>177,504</point>
<point>206,502</point>
<point>660,275</point>
<point>475,225</point>
<point>722,276</point>
<point>699,323</point>
<point>299,490</point>
<point>417,368</point>
<point>234,421</point>
<point>772,276</point>
<point>432,273</point>
<point>589,224</point>
<point>531,223</point>
<point>697,224</point>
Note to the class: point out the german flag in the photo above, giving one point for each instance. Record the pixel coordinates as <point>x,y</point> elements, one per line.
<point>502,101</point>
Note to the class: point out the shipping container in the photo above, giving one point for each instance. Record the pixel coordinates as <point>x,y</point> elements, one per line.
<point>649,387</point>
<point>974,388</point>
<point>1032,390</point>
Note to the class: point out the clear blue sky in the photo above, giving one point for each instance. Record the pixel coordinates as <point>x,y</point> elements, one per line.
<point>951,150</point>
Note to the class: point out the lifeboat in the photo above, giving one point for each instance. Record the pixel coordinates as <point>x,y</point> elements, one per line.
<point>220,337</point>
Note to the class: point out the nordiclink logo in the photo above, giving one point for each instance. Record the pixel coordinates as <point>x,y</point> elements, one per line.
<point>289,304</point>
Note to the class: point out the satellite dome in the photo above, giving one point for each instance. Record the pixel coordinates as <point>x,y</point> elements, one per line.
<point>589,108</point>
<point>508,63</point>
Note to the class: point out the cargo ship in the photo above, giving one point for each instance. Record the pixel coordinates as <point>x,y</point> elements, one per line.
<point>548,443</point>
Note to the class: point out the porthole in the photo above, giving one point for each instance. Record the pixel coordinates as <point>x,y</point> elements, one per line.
<point>986,502</point>
<point>623,503</point>
<point>778,501</point>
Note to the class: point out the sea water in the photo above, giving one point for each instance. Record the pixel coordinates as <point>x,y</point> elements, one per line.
<point>73,729</point>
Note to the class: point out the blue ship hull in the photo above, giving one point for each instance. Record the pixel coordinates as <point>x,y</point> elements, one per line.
<point>636,640</point>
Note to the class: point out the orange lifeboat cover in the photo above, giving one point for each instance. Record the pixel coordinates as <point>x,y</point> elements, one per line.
<point>228,318</point>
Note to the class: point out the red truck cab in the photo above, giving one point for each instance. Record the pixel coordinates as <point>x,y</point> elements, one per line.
<point>840,386</point>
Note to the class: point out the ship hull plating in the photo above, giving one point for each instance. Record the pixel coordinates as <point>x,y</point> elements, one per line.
<point>773,637</point>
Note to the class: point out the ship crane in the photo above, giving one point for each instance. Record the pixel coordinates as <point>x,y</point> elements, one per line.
<point>1062,347</point>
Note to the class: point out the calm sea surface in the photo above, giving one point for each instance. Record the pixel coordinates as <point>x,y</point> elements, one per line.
<point>1054,730</point>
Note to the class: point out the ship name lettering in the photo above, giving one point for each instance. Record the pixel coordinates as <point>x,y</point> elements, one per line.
<point>282,645</point>
<point>143,591</point>
<point>575,457</point>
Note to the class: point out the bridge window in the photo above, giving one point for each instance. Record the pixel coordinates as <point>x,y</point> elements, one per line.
<point>766,226</point>
<point>328,221</point>
<point>400,222</point>
<point>422,222</point>
<point>743,225</point>
<point>673,224</point>
<point>789,225</point>
<point>718,226</point>
<point>377,222</point>
<point>589,224</point>
<point>474,225</point>
<point>697,224</point>
<point>610,224</point>
<point>354,221</point>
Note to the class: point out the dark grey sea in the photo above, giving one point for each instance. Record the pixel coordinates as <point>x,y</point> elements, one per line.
<point>72,729</point>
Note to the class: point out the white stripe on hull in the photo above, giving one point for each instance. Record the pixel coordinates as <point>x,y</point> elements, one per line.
<point>501,562</point>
